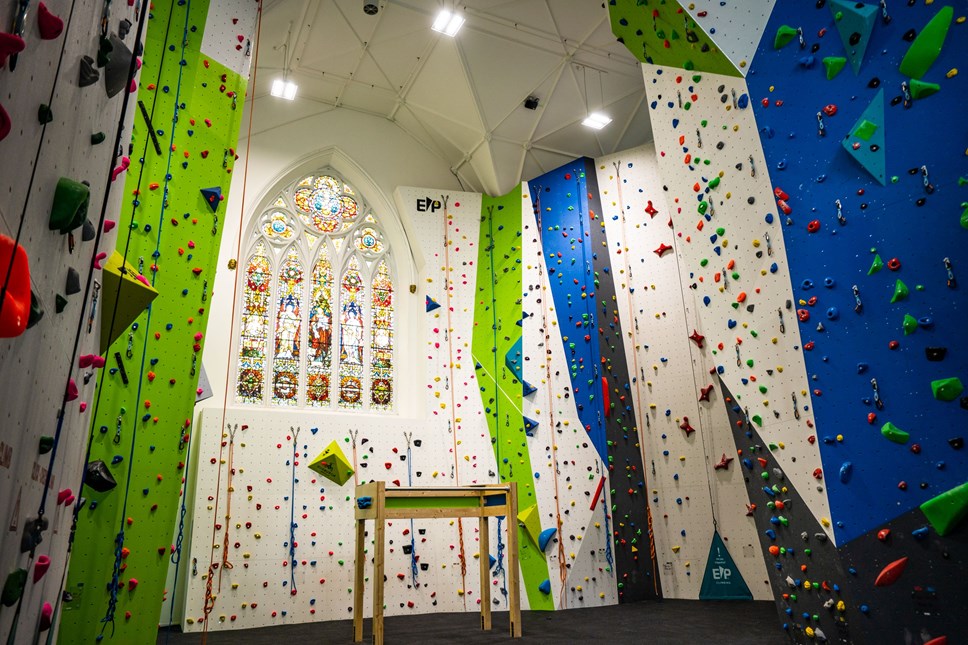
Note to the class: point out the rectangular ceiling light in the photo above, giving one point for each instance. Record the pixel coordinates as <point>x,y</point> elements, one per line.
<point>284,89</point>
<point>448,23</point>
<point>596,120</point>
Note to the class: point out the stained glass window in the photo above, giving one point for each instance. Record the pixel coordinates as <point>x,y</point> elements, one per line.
<point>317,319</point>
<point>319,352</point>
<point>288,336</point>
<point>381,348</point>
<point>254,327</point>
<point>351,335</point>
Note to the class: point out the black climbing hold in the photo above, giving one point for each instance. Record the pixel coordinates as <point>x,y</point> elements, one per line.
<point>815,48</point>
<point>909,35</point>
<point>750,200</point>
<point>957,443</point>
<point>896,100</point>
<point>935,354</point>
<point>854,38</point>
<point>874,83</point>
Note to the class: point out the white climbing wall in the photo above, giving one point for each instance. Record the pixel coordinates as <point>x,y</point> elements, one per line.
<point>35,367</point>
<point>761,365</point>
<point>736,26</point>
<point>686,492</point>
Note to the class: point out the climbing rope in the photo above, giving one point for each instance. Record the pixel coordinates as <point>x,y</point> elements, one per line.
<point>499,564</point>
<point>292,512</point>
<point>209,601</point>
<point>636,378</point>
<point>229,489</point>
<point>408,436</point>
<point>562,563</point>
<point>175,558</point>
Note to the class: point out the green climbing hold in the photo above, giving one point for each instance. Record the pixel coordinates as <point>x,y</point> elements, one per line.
<point>910,324</point>
<point>876,265</point>
<point>60,303</point>
<point>44,114</point>
<point>46,444</point>
<point>865,130</point>
<point>893,433</point>
<point>945,511</point>
<point>703,205</point>
<point>96,138</point>
<point>720,231</point>
<point>900,291</point>
<point>688,65</point>
<point>964,216</point>
<point>762,389</point>
<point>947,389</point>
<point>833,65</point>
<point>757,419</point>
<point>703,262</point>
<point>784,35</point>
<point>13,588</point>
<point>714,181</point>
<point>922,89</point>
<point>927,46</point>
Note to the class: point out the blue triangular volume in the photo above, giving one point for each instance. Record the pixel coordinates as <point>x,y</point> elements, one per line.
<point>855,26</point>
<point>527,388</point>
<point>865,141</point>
<point>512,360</point>
<point>432,304</point>
<point>722,580</point>
<point>529,426</point>
<point>213,196</point>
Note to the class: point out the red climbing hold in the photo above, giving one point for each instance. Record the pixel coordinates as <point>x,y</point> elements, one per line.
<point>650,209</point>
<point>10,44</point>
<point>779,193</point>
<point>891,573</point>
<point>50,25</point>
<point>685,426</point>
<point>723,463</point>
<point>883,534</point>
<point>697,338</point>
<point>662,249</point>
<point>605,397</point>
<point>705,392</point>
<point>813,226</point>
<point>940,640</point>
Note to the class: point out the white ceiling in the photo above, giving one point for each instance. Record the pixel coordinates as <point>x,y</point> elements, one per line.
<point>462,98</point>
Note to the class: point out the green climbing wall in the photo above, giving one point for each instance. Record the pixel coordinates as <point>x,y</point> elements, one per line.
<point>142,412</point>
<point>497,316</point>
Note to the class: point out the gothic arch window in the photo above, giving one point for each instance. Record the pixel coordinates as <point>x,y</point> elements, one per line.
<point>317,312</point>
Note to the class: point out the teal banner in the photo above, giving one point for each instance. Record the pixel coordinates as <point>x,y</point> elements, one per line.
<point>722,580</point>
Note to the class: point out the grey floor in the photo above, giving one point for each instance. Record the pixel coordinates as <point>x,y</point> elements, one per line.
<point>671,622</point>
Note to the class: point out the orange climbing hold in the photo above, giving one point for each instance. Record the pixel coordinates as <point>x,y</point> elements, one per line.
<point>890,574</point>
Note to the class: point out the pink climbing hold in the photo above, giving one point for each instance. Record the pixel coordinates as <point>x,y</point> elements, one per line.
<point>63,495</point>
<point>891,573</point>
<point>71,394</point>
<point>50,25</point>
<point>98,258</point>
<point>46,617</point>
<point>125,162</point>
<point>132,583</point>
<point>40,567</point>
<point>109,225</point>
<point>90,360</point>
<point>5,123</point>
<point>10,44</point>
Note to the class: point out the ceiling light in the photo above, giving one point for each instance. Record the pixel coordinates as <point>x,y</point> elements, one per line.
<point>284,89</point>
<point>448,23</point>
<point>596,120</point>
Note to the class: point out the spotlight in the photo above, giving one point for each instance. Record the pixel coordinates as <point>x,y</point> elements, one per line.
<point>596,120</point>
<point>283,89</point>
<point>448,23</point>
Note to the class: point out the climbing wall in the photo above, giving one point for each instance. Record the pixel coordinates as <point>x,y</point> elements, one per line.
<point>42,434</point>
<point>170,224</point>
<point>691,490</point>
<point>872,156</point>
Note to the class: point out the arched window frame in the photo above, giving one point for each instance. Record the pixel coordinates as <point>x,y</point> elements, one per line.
<point>340,248</point>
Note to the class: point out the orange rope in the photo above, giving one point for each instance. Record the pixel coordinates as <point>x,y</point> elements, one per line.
<point>638,379</point>
<point>209,604</point>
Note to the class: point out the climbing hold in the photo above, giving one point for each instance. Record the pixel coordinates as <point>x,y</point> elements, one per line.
<point>832,65</point>
<point>901,291</point>
<point>662,249</point>
<point>10,44</point>
<point>117,65</point>
<point>333,464</point>
<point>876,265</point>
<point>13,587</point>
<point>545,537</point>
<point>545,587</point>
<point>88,74</point>
<point>41,565</point>
<point>947,389</point>
<point>49,25</point>
<point>784,35</point>
<point>922,89</point>
<point>432,304</point>
<point>893,433</point>
<point>909,325</point>
<point>15,310</point>
<point>866,140</point>
<point>845,471</point>
<point>891,573</point>
<point>98,477</point>
<point>927,46</point>
<point>213,196</point>
<point>945,511</point>
<point>69,208</point>
<point>854,22</point>
<point>46,617</point>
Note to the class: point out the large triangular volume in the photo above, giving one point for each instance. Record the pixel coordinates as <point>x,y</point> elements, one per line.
<point>126,293</point>
<point>332,464</point>
<point>722,580</point>
<point>865,141</point>
<point>855,22</point>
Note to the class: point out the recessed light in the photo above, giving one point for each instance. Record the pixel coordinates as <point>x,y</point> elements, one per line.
<point>284,89</point>
<point>596,120</point>
<point>448,23</point>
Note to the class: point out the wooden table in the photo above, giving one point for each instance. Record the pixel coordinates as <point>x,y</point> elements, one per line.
<point>377,502</point>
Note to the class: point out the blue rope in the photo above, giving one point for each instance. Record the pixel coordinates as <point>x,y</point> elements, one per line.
<point>414,571</point>
<point>292,515</point>
<point>119,539</point>
<point>608,536</point>
<point>176,556</point>
<point>499,566</point>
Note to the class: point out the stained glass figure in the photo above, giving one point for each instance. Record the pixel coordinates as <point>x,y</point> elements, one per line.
<point>381,348</point>
<point>319,353</point>
<point>325,204</point>
<point>254,328</point>
<point>352,302</point>
<point>288,337</point>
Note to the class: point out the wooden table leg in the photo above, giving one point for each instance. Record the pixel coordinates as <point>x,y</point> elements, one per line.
<point>485,558</point>
<point>514,575</point>
<point>358,584</point>
<point>378,547</point>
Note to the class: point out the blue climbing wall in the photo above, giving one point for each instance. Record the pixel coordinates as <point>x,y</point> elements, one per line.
<point>919,226</point>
